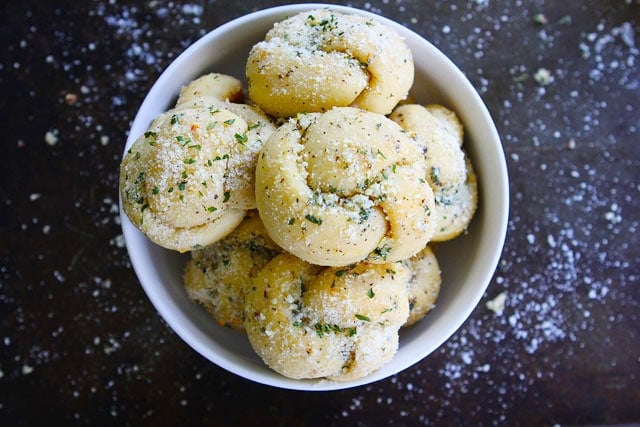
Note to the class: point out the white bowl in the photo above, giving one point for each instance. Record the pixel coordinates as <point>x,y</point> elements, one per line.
<point>467,262</point>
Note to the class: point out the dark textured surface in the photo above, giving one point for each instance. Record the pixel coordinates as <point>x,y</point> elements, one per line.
<point>81,344</point>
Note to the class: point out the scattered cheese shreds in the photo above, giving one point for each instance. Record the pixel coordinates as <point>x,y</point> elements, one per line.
<point>497,304</point>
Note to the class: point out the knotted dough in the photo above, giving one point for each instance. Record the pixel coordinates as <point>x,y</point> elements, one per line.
<point>218,276</point>
<point>307,321</point>
<point>318,59</point>
<point>449,171</point>
<point>189,179</point>
<point>423,285</point>
<point>339,187</point>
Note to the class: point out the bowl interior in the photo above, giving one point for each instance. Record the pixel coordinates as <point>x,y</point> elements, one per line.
<point>467,262</point>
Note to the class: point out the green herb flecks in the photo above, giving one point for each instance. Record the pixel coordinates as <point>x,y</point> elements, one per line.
<point>241,138</point>
<point>140,178</point>
<point>442,200</point>
<point>151,137</point>
<point>363,215</point>
<point>435,175</point>
<point>223,157</point>
<point>325,328</point>
<point>521,78</point>
<point>382,252</point>
<point>313,219</point>
<point>565,20</point>
<point>183,140</point>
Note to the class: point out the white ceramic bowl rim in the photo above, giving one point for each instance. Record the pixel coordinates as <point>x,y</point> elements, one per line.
<point>156,268</point>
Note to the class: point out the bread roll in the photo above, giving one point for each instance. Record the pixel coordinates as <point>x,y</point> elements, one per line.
<point>307,321</point>
<point>449,171</point>
<point>189,179</point>
<point>319,59</point>
<point>343,186</point>
<point>217,277</point>
<point>423,285</point>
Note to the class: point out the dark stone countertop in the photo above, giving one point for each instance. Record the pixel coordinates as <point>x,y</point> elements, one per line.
<point>80,343</point>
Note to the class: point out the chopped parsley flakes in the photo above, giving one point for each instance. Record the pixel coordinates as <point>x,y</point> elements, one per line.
<point>313,219</point>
